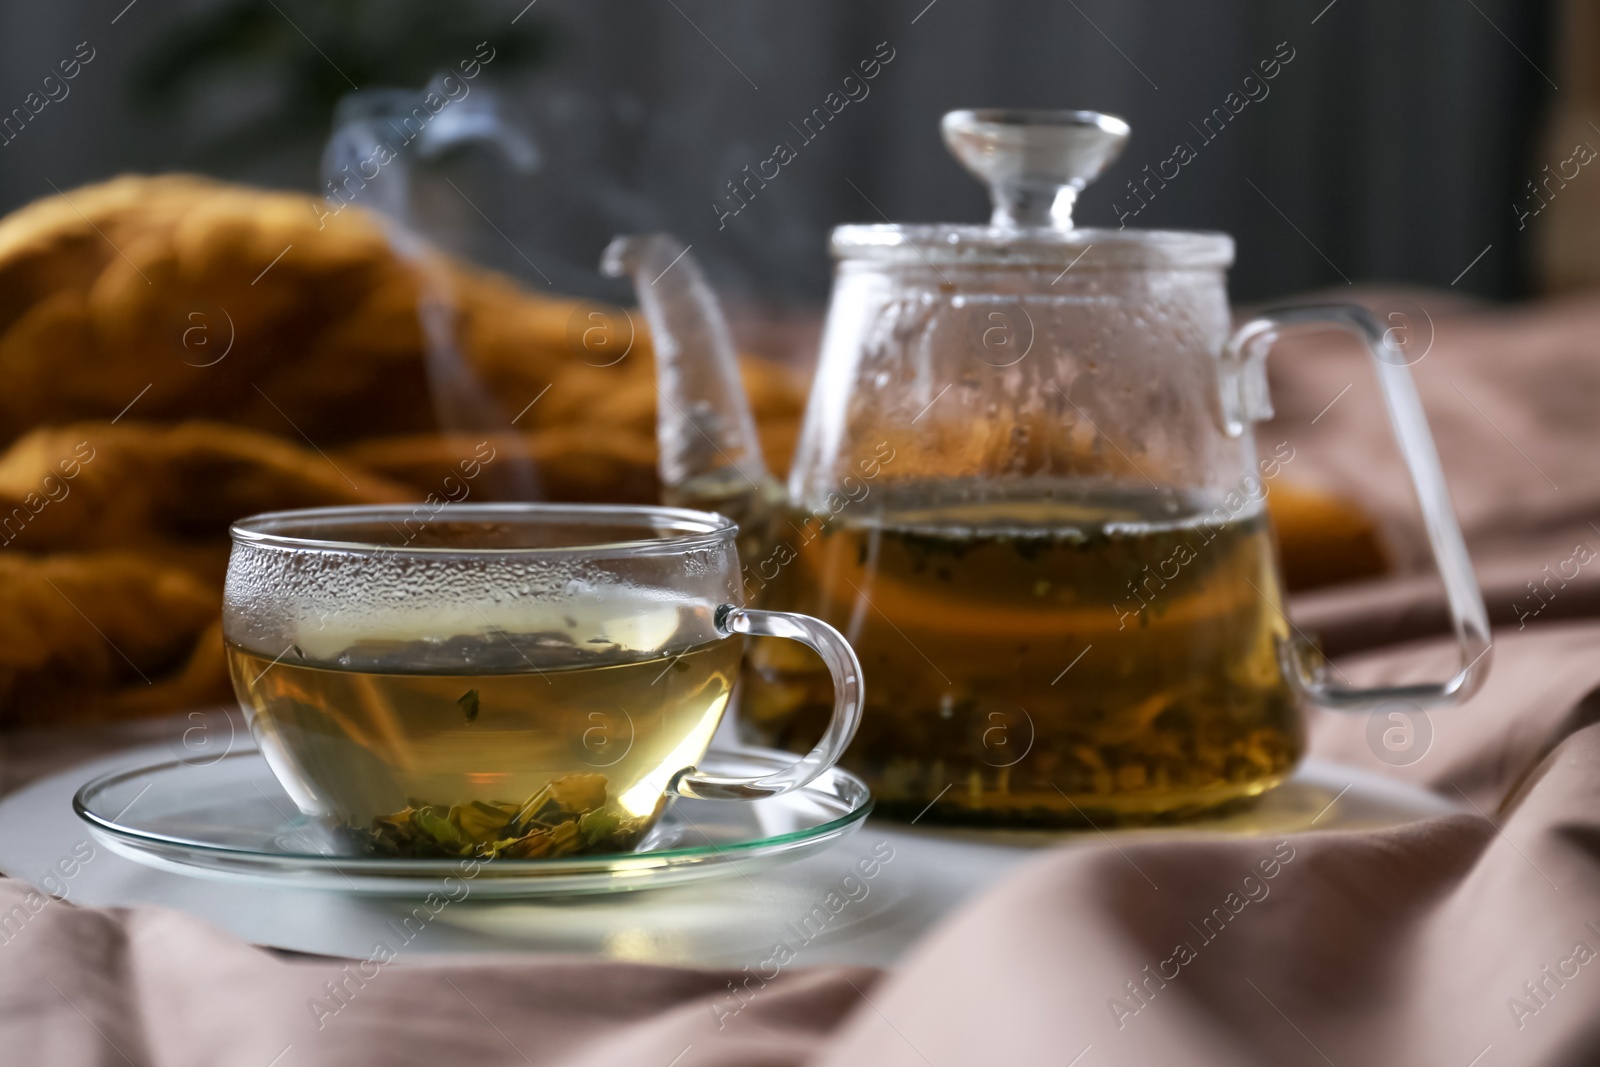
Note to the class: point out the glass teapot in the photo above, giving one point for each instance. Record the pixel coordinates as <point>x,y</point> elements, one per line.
<point>1028,493</point>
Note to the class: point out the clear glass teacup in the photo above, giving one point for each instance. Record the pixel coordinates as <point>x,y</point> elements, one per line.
<point>519,680</point>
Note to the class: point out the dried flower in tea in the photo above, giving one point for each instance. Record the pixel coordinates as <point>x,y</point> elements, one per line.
<point>569,816</point>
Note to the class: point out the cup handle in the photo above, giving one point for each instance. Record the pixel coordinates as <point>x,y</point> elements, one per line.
<point>847,703</point>
<point>1245,399</point>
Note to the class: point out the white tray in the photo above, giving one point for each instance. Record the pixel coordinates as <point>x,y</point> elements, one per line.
<point>917,875</point>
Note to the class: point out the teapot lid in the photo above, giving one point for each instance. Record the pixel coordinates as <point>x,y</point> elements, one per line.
<point>1035,164</point>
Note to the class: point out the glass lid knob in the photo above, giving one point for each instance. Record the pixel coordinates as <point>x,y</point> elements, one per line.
<point>1034,162</point>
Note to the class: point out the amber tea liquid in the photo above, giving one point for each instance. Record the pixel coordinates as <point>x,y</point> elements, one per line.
<point>376,731</point>
<point>1046,662</point>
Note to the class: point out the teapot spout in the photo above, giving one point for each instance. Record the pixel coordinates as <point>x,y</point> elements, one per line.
<point>710,456</point>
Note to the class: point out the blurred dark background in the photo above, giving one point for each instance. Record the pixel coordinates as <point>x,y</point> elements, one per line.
<point>1391,147</point>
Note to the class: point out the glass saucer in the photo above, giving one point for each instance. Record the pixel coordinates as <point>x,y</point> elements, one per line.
<point>230,820</point>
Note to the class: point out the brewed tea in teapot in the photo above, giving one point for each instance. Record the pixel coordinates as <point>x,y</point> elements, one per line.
<point>999,675</point>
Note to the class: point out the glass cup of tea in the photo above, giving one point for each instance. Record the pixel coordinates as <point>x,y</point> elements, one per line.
<point>517,680</point>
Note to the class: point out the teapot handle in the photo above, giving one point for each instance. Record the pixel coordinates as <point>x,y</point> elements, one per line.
<point>1244,399</point>
<point>848,700</point>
